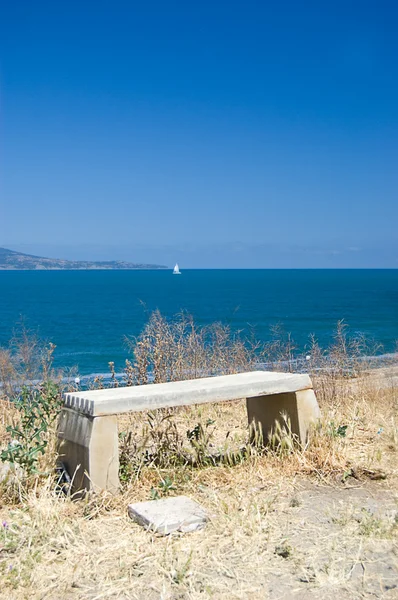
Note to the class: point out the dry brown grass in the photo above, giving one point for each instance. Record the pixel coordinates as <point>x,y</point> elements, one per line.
<point>261,510</point>
<point>311,523</point>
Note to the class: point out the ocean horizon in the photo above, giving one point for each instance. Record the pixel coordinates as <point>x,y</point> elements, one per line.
<point>88,314</point>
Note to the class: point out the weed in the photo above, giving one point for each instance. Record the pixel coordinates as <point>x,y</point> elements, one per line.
<point>38,409</point>
<point>199,438</point>
<point>337,431</point>
<point>282,440</point>
<point>165,486</point>
<point>295,502</point>
<point>374,526</point>
<point>181,571</point>
<point>283,550</point>
<point>177,349</point>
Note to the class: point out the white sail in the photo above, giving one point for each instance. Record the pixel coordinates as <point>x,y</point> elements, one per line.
<point>176,270</point>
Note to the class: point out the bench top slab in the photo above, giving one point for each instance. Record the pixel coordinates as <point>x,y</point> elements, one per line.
<point>184,393</point>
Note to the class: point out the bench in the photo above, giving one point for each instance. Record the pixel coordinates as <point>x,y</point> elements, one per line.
<point>88,433</point>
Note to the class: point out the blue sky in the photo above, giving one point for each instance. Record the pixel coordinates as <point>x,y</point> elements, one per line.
<point>218,134</point>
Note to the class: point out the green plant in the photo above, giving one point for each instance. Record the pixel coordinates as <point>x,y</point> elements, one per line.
<point>337,431</point>
<point>38,409</point>
<point>165,486</point>
<point>154,494</point>
<point>126,468</point>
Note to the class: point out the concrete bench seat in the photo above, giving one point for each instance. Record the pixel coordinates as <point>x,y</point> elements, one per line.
<point>88,431</point>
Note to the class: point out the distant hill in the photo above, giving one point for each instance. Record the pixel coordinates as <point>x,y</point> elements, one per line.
<point>17,261</point>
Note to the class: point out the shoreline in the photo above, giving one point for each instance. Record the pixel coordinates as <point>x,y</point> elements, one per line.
<point>382,367</point>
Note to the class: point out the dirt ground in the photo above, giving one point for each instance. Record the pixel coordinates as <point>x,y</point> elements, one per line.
<point>283,539</point>
<point>342,543</point>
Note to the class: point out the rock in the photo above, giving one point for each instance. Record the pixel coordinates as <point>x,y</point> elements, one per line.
<point>168,515</point>
<point>5,470</point>
<point>10,473</point>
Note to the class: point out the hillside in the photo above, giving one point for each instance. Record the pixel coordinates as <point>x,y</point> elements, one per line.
<point>17,261</point>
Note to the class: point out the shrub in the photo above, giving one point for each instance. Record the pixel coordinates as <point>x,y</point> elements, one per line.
<point>37,410</point>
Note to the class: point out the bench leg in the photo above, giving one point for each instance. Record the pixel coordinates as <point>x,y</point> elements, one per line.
<point>92,443</point>
<point>301,408</point>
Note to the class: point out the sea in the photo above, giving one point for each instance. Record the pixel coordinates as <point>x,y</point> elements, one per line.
<point>88,314</point>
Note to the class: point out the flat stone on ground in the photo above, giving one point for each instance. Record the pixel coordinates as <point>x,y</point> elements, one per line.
<point>169,514</point>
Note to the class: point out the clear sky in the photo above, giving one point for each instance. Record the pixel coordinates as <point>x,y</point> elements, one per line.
<point>216,133</point>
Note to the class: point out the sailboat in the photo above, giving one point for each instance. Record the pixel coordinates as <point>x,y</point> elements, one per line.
<point>176,270</point>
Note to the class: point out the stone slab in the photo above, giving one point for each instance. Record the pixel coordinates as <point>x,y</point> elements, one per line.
<point>184,393</point>
<point>168,515</point>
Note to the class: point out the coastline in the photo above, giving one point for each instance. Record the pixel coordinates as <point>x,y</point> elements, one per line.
<point>382,369</point>
<point>41,269</point>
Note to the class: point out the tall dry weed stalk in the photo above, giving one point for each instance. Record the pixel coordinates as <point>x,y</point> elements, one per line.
<point>333,367</point>
<point>26,360</point>
<point>178,349</point>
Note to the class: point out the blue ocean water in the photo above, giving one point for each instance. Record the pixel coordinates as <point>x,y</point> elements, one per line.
<point>88,313</point>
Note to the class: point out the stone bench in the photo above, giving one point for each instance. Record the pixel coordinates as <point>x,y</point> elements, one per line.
<point>88,432</point>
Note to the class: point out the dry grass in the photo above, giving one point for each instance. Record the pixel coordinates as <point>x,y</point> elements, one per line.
<point>309,523</point>
<point>267,508</point>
